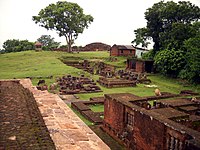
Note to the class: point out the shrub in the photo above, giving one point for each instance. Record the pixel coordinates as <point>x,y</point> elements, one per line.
<point>169,62</point>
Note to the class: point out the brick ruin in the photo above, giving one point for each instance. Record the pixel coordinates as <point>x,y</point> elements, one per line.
<point>154,122</point>
<point>111,82</point>
<point>98,68</point>
<point>140,66</point>
<point>109,76</point>
<point>77,85</point>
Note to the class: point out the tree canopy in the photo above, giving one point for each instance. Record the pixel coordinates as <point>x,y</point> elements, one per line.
<point>48,42</point>
<point>66,18</point>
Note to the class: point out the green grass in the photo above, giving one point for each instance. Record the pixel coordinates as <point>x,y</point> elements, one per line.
<point>97,108</point>
<point>45,63</point>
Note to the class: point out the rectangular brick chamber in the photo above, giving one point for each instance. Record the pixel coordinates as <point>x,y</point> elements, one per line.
<point>169,127</point>
<point>21,124</point>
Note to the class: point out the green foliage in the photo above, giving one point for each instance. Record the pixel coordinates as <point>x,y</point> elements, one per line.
<point>148,56</point>
<point>192,69</point>
<point>168,23</point>
<point>17,45</point>
<point>169,62</point>
<point>64,17</point>
<point>48,42</point>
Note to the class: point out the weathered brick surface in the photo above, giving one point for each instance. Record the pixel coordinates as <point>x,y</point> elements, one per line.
<point>21,124</point>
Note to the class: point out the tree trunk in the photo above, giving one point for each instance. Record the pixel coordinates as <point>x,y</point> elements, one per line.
<point>69,45</point>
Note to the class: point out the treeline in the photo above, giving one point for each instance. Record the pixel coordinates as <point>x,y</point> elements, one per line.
<point>15,45</point>
<point>175,30</point>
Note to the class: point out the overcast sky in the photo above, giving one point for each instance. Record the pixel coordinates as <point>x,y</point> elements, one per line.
<point>114,20</point>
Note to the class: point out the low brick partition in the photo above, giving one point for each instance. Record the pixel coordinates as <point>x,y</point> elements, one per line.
<point>111,82</point>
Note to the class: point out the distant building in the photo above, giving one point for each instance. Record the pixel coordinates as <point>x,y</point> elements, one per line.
<point>127,50</point>
<point>38,46</point>
<point>122,50</point>
<point>97,46</point>
<point>168,124</point>
<point>140,65</point>
<point>140,51</point>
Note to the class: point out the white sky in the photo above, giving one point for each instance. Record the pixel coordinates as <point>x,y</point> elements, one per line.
<point>114,20</point>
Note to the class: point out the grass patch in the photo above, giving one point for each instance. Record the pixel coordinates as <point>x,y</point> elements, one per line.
<point>97,108</point>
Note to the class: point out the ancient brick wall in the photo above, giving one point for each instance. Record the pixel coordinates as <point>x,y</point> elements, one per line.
<point>114,51</point>
<point>114,114</point>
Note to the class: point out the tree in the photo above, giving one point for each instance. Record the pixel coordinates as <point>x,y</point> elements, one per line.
<point>66,18</point>
<point>17,45</point>
<point>48,42</point>
<point>169,24</point>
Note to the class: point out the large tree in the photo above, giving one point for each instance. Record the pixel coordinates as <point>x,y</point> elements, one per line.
<point>66,18</point>
<point>48,42</point>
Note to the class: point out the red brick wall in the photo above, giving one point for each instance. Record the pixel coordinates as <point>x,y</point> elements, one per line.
<point>127,53</point>
<point>113,114</point>
<point>140,66</point>
<point>114,51</point>
<point>148,132</point>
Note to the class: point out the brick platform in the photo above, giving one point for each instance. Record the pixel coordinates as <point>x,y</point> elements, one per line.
<point>21,124</point>
<point>67,130</point>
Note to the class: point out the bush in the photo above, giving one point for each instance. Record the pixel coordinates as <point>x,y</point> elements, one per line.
<point>192,69</point>
<point>170,62</point>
